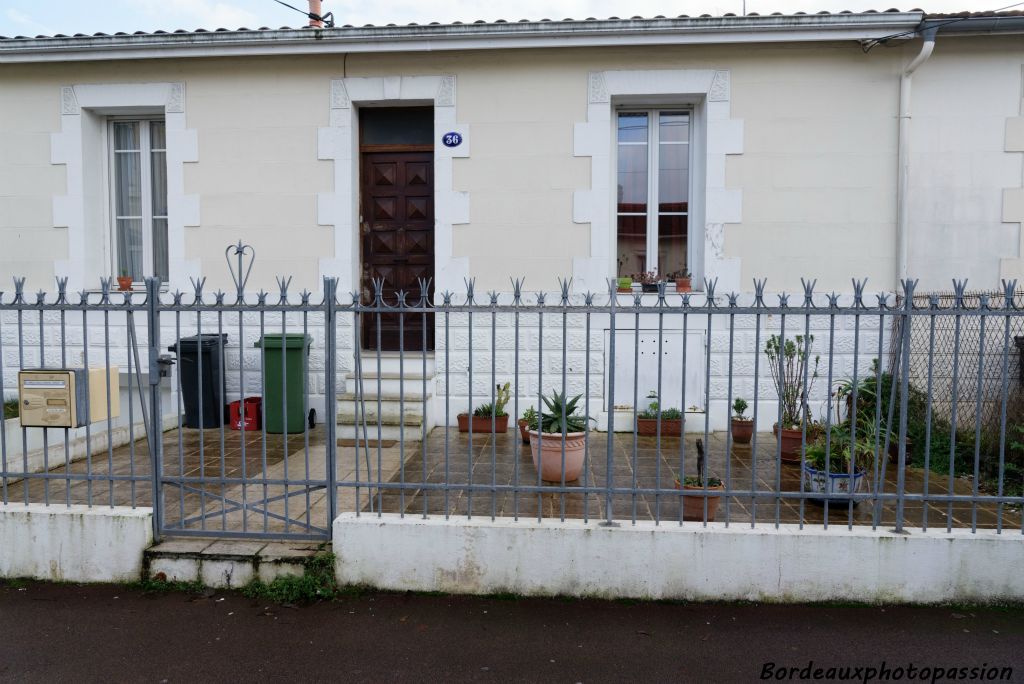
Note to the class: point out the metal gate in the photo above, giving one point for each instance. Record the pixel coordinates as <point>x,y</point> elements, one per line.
<point>264,467</point>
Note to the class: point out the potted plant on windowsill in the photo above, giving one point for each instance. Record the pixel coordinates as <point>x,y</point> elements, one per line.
<point>124,281</point>
<point>790,363</point>
<point>671,419</point>
<point>527,422</point>
<point>693,506</point>
<point>561,431</point>
<point>742,427</point>
<point>624,284</point>
<point>683,280</point>
<point>489,417</point>
<point>831,459</point>
<point>648,281</point>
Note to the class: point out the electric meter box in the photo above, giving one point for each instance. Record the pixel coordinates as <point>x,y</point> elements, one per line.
<point>67,397</point>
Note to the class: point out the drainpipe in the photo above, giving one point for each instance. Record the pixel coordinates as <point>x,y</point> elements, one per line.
<point>315,10</point>
<point>903,173</point>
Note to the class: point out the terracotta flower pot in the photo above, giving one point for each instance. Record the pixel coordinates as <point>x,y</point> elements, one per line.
<point>791,440</point>
<point>693,506</point>
<point>742,431</point>
<point>546,450</point>
<point>482,424</point>
<point>524,431</point>
<point>669,428</point>
<point>683,285</point>
<point>124,283</point>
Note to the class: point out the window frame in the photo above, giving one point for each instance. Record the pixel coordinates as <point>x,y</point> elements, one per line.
<point>653,143</point>
<point>146,151</point>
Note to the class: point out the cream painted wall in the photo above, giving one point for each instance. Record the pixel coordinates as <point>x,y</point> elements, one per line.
<point>817,172</point>
<point>29,112</point>
<point>963,98</point>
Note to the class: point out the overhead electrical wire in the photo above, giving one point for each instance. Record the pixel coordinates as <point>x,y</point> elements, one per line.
<point>977,15</point>
<point>328,18</point>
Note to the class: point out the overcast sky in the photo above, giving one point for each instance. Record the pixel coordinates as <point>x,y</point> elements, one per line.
<point>33,17</point>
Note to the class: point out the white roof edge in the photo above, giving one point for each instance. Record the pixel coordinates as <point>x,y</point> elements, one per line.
<point>703,30</point>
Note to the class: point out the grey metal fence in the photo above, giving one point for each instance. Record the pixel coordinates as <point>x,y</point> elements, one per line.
<point>272,416</point>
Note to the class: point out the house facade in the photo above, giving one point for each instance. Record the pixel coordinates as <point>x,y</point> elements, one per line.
<point>822,147</point>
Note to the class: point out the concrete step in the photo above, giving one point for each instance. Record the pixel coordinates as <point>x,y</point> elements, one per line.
<point>391,383</point>
<point>412,392</point>
<point>407,432</point>
<point>390,363</point>
<point>391,413</point>
<point>223,563</point>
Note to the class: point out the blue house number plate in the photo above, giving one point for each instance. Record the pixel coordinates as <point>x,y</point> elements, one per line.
<point>452,139</point>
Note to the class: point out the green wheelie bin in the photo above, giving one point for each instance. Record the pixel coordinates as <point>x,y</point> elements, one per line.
<point>285,371</point>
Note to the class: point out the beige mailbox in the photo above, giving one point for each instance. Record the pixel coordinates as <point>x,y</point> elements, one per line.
<point>67,397</point>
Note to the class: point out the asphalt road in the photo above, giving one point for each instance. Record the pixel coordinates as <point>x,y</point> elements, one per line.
<point>54,633</point>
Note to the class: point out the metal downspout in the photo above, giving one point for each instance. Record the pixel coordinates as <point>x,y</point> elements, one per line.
<point>903,172</point>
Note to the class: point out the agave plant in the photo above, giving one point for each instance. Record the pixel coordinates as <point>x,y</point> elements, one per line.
<point>561,416</point>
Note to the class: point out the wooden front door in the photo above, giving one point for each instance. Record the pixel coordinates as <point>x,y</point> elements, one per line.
<point>397,230</point>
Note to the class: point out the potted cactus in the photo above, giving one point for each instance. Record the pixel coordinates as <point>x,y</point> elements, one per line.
<point>489,417</point>
<point>527,422</point>
<point>559,427</point>
<point>742,427</point>
<point>693,506</point>
<point>624,284</point>
<point>671,419</point>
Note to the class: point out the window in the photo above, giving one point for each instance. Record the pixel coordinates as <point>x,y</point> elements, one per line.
<point>139,198</point>
<point>653,190</point>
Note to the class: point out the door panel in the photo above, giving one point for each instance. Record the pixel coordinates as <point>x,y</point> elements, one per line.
<point>397,201</point>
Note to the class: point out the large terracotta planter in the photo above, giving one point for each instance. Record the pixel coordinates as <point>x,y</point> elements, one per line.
<point>742,431</point>
<point>693,506</point>
<point>546,450</point>
<point>669,428</point>
<point>482,423</point>
<point>791,440</point>
<point>524,431</point>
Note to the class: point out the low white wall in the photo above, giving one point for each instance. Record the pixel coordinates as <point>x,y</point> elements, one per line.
<point>77,544</point>
<point>672,562</point>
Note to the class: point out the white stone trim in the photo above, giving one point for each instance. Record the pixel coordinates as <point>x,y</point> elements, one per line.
<point>1012,266</point>
<point>340,142</point>
<point>716,136</point>
<point>80,147</point>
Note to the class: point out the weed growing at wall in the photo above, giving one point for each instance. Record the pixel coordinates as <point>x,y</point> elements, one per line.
<point>317,583</point>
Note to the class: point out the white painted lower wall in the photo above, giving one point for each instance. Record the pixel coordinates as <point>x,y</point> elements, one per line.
<point>672,562</point>
<point>76,543</point>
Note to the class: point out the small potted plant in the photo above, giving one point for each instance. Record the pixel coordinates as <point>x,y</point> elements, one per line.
<point>693,506</point>
<point>742,427</point>
<point>489,417</point>
<point>560,428</point>
<point>648,281</point>
<point>671,419</point>
<point>124,281</point>
<point>683,280</point>
<point>527,422</point>
<point>790,364</point>
<point>624,284</point>
<point>830,459</point>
